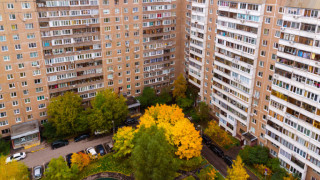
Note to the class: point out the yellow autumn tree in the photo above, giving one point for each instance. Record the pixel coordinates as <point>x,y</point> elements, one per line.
<point>123,141</point>
<point>13,170</point>
<point>220,136</point>
<point>212,174</point>
<point>237,172</point>
<point>180,132</point>
<point>80,159</point>
<point>290,177</point>
<point>262,168</point>
<point>180,87</point>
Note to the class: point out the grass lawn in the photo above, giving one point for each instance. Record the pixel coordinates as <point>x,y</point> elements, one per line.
<point>207,169</point>
<point>189,178</point>
<point>107,163</point>
<point>255,172</point>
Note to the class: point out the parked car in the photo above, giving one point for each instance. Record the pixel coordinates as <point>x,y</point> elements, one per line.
<point>59,143</point>
<point>130,121</point>
<point>92,151</point>
<point>68,159</point>
<point>216,150</point>
<point>16,157</point>
<point>100,150</point>
<point>206,140</point>
<point>100,132</point>
<point>81,137</point>
<point>37,172</point>
<point>228,160</point>
<point>109,147</point>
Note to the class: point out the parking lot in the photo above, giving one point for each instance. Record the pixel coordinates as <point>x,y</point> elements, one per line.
<point>43,156</point>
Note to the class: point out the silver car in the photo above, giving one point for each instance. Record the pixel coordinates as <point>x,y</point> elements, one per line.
<point>37,171</point>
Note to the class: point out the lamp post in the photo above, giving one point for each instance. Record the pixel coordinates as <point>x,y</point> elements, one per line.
<point>199,126</point>
<point>113,131</point>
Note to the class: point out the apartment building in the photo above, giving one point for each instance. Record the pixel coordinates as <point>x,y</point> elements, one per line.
<point>53,46</point>
<point>260,74</point>
<point>23,84</point>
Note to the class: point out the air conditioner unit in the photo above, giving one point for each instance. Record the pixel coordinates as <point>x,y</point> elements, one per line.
<point>247,12</point>
<point>38,67</point>
<point>251,114</point>
<point>291,42</point>
<point>46,98</point>
<point>24,20</point>
<point>276,76</point>
<point>92,15</point>
<point>87,24</point>
<point>242,20</point>
<point>73,85</point>
<point>296,16</point>
<point>317,63</point>
<point>282,28</point>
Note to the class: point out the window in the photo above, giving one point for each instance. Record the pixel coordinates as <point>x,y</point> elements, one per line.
<point>29,26</point>
<point>9,76</point>
<point>19,56</point>
<point>25,5</point>
<point>28,109</point>
<point>6,58</point>
<point>267,20</point>
<point>12,85</point>
<point>10,6</point>
<point>22,74</point>
<point>33,54</point>
<point>5,131</point>
<point>277,34</point>
<point>8,67</point>
<point>263,53</point>
<point>17,47</point>
<point>266,31</point>
<point>12,16</point>
<point>13,94</point>
<point>18,119</point>
<point>2,106</point>
<point>281,10</point>
<point>41,106</point>
<point>3,123</point>
<point>279,22</point>
<point>37,81</point>
<point>40,98</point>
<point>3,38</point>
<point>261,63</point>
<point>269,8</point>
<point>14,27</point>
<point>1,28</point>
<point>24,83</point>
<point>264,42</point>
<point>4,48</point>
<point>15,37</point>
<point>30,116</point>
<point>25,92</point>
<point>260,74</point>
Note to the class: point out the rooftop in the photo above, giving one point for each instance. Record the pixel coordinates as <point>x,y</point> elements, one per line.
<point>24,129</point>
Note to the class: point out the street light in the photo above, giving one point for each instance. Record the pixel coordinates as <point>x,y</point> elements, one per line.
<point>199,126</point>
<point>113,130</point>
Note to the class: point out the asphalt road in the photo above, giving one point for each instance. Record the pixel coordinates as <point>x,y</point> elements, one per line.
<point>45,155</point>
<point>219,164</point>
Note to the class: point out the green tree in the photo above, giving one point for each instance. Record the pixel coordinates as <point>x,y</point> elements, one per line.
<point>59,170</point>
<point>164,96</point>
<point>4,147</point>
<point>107,106</point>
<point>49,131</point>
<point>65,112</point>
<point>153,157</point>
<point>13,170</point>
<point>254,155</point>
<point>203,111</point>
<point>184,103</point>
<point>147,98</point>
<point>180,87</point>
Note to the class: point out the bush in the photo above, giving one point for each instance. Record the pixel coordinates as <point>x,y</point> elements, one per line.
<point>261,169</point>
<point>254,155</point>
<point>191,164</point>
<point>4,147</point>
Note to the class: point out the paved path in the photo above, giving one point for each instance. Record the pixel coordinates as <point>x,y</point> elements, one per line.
<point>219,164</point>
<point>46,154</point>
